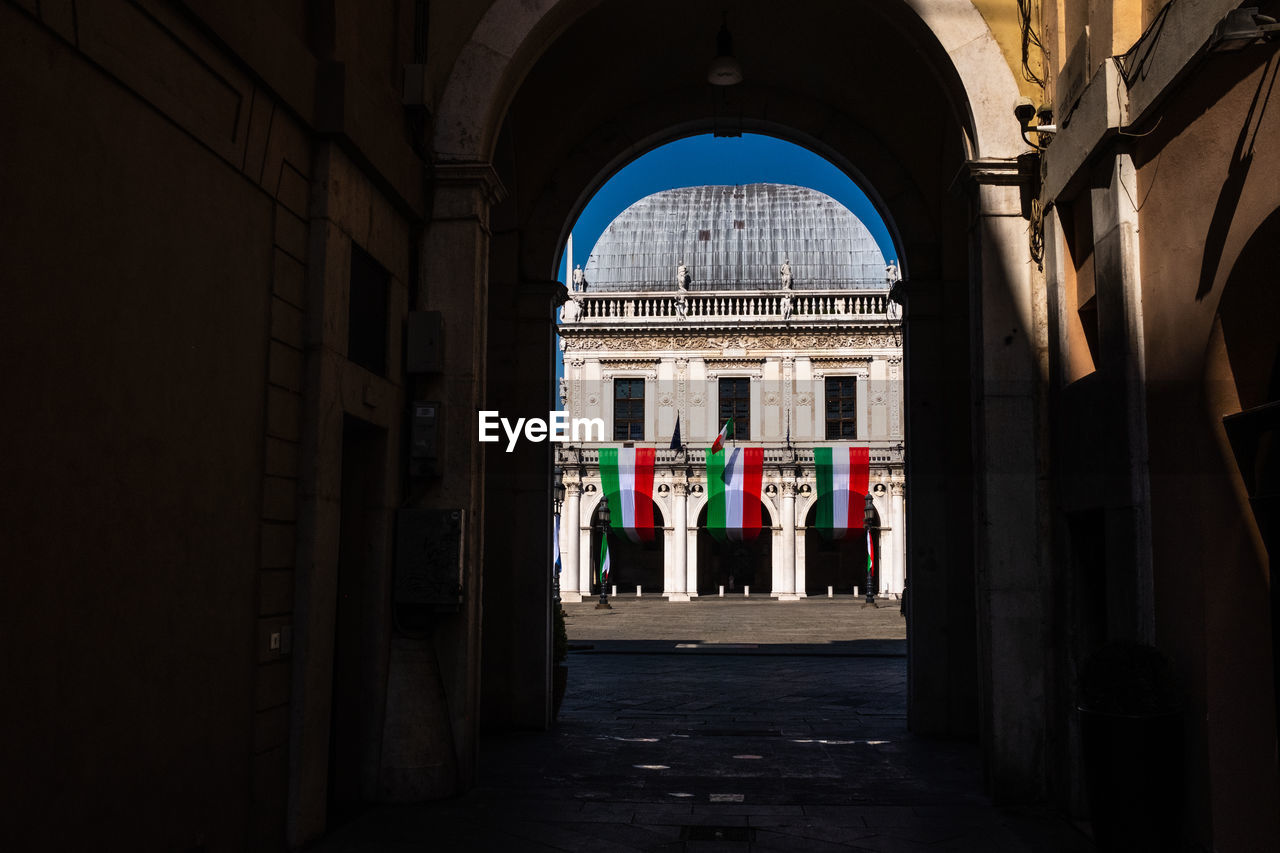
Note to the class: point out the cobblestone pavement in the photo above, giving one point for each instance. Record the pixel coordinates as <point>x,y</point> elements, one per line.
<point>756,726</point>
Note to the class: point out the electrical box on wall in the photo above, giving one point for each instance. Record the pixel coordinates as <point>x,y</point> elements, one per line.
<point>428,559</point>
<point>424,342</point>
<point>424,430</point>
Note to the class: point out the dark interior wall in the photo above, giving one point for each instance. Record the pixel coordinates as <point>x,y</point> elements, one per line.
<point>1208,180</point>
<point>137,286</point>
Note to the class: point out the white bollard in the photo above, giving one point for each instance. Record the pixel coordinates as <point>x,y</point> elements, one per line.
<point>637,590</point>
<point>746,590</point>
<point>855,592</point>
<point>831,592</point>
<point>615,591</point>
<point>722,590</point>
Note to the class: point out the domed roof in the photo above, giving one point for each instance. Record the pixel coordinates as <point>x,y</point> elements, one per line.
<point>736,238</point>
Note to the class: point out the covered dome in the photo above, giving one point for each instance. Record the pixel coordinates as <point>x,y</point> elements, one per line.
<point>736,238</point>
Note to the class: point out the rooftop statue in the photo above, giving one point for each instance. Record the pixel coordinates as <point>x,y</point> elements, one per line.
<point>579,278</point>
<point>891,273</point>
<point>785,272</point>
<point>571,311</point>
<point>683,278</point>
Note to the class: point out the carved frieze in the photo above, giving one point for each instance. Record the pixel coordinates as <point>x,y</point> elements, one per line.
<point>763,339</point>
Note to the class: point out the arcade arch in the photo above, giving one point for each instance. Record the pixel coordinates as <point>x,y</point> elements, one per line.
<point>545,101</point>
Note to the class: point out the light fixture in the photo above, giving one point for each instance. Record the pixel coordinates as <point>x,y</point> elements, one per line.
<point>1241,28</point>
<point>725,70</point>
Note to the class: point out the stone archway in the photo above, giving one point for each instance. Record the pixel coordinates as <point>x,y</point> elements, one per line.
<point>733,563</point>
<point>507,40</point>
<point>633,563</point>
<point>970,291</point>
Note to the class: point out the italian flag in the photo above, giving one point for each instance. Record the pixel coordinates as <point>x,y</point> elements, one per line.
<point>626,474</point>
<point>843,472</point>
<point>871,556</point>
<point>604,559</point>
<point>726,432</point>
<point>733,489</point>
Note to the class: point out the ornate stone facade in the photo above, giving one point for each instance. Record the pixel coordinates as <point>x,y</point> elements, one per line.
<point>787,352</point>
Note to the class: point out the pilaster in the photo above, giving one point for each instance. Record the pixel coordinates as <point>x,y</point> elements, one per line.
<point>679,572</point>
<point>454,260</point>
<point>787,592</point>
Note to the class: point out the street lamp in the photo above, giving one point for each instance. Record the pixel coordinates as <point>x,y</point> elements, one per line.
<point>869,522</point>
<point>557,503</point>
<point>601,521</point>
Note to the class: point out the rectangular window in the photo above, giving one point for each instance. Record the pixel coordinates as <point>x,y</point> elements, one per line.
<point>367,312</point>
<point>735,402</point>
<point>628,410</point>
<point>842,408</point>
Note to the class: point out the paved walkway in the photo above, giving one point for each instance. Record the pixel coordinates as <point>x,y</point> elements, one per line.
<point>727,732</point>
<point>837,625</point>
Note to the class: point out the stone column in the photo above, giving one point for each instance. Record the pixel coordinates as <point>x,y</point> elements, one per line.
<point>899,516</point>
<point>788,524</point>
<point>585,559</point>
<point>691,556</point>
<point>570,589</point>
<point>1122,369</point>
<point>1009,328</point>
<point>679,542</point>
<point>454,266</point>
<point>888,564</point>
<point>800,577</point>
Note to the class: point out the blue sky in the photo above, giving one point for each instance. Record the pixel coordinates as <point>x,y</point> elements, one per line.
<point>699,160</point>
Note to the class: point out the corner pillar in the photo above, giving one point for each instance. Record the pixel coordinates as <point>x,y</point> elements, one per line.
<point>454,271</point>
<point>679,573</point>
<point>787,592</point>
<point>1009,330</point>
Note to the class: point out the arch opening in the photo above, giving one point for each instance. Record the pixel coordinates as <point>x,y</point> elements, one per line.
<point>734,562</point>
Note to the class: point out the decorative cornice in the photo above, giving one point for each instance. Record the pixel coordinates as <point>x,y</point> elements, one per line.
<point>730,363</point>
<point>630,363</point>
<point>629,373</point>
<point>990,172</point>
<point>827,362</point>
<point>475,174</point>
<point>629,341</point>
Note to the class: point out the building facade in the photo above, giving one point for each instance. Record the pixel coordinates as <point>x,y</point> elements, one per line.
<point>765,303</point>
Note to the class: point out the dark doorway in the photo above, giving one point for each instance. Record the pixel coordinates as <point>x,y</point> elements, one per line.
<point>840,563</point>
<point>354,723</point>
<point>735,564</point>
<point>633,564</point>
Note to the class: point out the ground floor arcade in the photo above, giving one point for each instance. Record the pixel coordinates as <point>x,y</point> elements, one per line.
<point>789,559</point>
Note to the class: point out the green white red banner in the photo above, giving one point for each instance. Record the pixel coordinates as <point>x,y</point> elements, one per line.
<point>843,474</point>
<point>733,493</point>
<point>626,476</point>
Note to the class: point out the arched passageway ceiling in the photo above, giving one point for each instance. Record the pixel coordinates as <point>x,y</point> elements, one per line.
<point>546,217</point>
<point>831,49</point>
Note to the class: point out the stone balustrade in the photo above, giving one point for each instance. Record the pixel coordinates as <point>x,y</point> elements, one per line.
<point>721,306</point>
